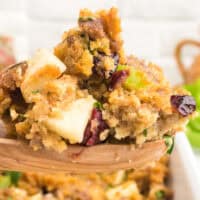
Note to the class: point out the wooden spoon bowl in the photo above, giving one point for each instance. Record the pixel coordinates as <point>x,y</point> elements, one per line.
<point>18,156</point>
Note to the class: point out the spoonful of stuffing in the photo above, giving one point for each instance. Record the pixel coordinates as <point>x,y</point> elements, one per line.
<point>86,106</point>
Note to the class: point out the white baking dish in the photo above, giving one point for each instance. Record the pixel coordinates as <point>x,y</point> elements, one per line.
<point>185,177</point>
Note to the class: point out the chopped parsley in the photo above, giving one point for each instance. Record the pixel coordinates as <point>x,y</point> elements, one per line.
<point>35,91</point>
<point>85,19</point>
<point>14,176</point>
<point>9,178</point>
<point>169,141</point>
<point>145,132</point>
<point>98,105</point>
<point>160,195</point>
<point>109,186</point>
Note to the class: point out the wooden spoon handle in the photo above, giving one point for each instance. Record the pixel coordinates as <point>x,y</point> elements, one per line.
<point>179,61</point>
<point>16,155</point>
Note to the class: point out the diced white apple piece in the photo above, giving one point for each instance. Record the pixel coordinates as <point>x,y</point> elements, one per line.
<point>71,122</point>
<point>43,67</point>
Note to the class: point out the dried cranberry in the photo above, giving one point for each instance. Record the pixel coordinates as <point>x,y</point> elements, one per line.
<point>94,127</point>
<point>184,104</point>
<point>117,78</point>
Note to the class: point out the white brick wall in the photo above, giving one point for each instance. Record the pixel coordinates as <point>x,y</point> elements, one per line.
<point>151,28</point>
<point>64,9</point>
<point>159,9</point>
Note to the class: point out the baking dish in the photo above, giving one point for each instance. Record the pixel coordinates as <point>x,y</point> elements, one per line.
<point>185,179</point>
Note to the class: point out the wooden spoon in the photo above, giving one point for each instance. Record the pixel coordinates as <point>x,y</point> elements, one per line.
<point>17,155</point>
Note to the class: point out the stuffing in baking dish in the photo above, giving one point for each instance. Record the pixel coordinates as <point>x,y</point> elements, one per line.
<point>88,92</point>
<point>146,184</point>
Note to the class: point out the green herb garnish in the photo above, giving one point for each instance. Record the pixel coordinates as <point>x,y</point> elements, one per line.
<point>85,19</point>
<point>14,176</point>
<point>160,195</point>
<point>98,105</point>
<point>9,178</point>
<point>145,132</point>
<point>169,141</point>
<point>109,186</point>
<point>35,91</point>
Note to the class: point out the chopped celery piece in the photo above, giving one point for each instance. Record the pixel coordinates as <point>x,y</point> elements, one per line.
<point>123,67</point>
<point>5,182</point>
<point>136,78</point>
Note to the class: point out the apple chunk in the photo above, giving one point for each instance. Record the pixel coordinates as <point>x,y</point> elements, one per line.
<point>42,68</point>
<point>70,123</point>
